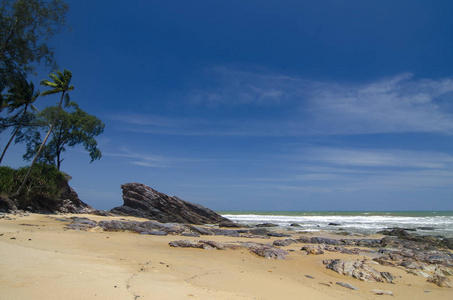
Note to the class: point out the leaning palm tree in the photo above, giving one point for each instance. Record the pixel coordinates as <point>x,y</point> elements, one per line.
<point>20,96</point>
<point>59,84</point>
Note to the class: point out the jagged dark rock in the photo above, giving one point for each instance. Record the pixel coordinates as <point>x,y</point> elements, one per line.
<point>142,201</point>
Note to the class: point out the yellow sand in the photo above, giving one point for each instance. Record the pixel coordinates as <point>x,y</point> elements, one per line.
<point>45,261</point>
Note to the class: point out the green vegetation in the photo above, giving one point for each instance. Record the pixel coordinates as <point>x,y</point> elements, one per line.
<point>25,28</point>
<point>59,84</point>
<point>20,97</point>
<point>44,182</point>
<point>72,128</point>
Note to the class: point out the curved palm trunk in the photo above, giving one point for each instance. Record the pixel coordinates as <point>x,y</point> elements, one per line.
<point>14,134</point>
<point>40,148</point>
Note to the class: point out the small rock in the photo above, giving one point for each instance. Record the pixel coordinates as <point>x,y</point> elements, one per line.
<point>382,292</point>
<point>312,249</point>
<point>347,285</point>
<point>285,242</point>
<point>155,232</point>
<point>276,234</point>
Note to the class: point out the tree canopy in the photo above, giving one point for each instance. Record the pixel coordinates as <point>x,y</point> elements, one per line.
<point>71,129</point>
<point>20,97</point>
<point>25,28</point>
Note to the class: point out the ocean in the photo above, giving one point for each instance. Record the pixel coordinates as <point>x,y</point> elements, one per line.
<point>436,223</point>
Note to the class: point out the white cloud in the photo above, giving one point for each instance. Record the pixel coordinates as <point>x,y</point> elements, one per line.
<point>398,104</point>
<point>140,158</point>
<point>390,105</point>
<point>380,158</point>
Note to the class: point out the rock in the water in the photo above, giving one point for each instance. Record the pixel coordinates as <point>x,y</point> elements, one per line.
<point>142,201</point>
<point>347,285</point>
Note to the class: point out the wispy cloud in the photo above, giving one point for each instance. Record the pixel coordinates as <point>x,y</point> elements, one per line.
<point>397,104</point>
<point>146,159</point>
<point>141,159</point>
<point>330,170</point>
<point>278,105</point>
<point>143,119</point>
<point>389,105</point>
<point>380,158</point>
<point>234,86</point>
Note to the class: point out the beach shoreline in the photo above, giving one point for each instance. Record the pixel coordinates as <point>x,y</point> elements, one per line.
<point>42,259</point>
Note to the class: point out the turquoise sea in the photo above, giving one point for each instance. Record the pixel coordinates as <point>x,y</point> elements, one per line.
<point>438,223</point>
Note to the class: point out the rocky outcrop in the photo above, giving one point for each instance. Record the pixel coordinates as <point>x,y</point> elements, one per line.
<point>142,201</point>
<point>359,269</point>
<point>67,201</point>
<point>263,250</point>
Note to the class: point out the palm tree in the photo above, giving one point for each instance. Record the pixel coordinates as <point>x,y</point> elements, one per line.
<point>59,84</point>
<point>21,95</point>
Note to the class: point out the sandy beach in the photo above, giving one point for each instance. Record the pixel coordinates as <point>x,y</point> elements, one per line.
<point>40,259</point>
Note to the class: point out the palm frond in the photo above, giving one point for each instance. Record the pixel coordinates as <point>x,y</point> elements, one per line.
<point>50,92</point>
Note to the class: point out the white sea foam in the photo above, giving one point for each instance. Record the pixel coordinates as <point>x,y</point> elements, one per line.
<point>365,223</point>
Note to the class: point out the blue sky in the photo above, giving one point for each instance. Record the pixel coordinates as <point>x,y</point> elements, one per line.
<point>264,105</point>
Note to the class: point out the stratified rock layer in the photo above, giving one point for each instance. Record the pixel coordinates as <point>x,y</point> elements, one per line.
<point>142,201</point>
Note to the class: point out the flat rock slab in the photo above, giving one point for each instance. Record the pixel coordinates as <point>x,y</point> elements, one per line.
<point>347,285</point>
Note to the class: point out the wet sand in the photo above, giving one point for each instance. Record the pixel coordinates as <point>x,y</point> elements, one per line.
<point>39,259</point>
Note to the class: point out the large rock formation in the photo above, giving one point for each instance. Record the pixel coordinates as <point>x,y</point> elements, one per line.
<point>142,201</point>
<point>66,202</point>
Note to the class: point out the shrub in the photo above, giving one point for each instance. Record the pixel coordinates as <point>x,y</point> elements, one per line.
<point>45,182</point>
